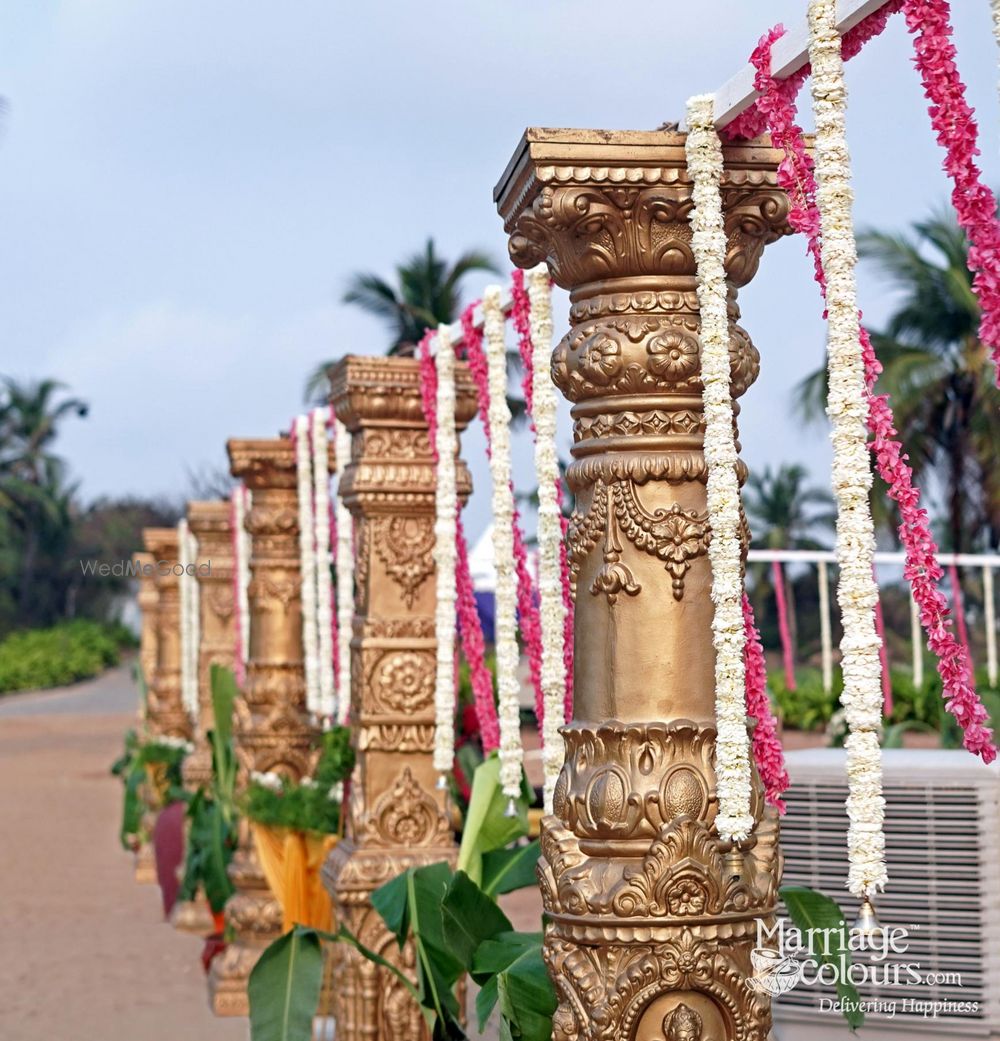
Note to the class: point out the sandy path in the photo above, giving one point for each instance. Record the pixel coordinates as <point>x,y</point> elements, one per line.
<point>84,951</point>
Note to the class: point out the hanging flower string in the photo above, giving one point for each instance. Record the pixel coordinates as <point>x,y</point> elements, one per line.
<point>551,608</point>
<point>708,243</point>
<point>856,591</point>
<point>527,605</point>
<point>322,557</point>
<point>239,508</point>
<point>531,313</point>
<point>342,526</point>
<point>470,626</point>
<point>504,547</point>
<point>954,122</point>
<point>922,569</point>
<point>187,555</point>
<point>767,751</point>
<point>307,560</point>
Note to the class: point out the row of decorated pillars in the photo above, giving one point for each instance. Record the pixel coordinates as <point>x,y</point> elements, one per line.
<point>650,917</point>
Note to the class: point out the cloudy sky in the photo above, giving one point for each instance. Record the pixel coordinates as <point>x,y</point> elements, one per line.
<point>185,187</point>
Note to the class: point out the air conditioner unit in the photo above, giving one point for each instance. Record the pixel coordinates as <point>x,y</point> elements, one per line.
<point>942,832</point>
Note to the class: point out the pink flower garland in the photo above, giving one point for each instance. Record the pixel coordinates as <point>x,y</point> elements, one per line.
<point>767,751</point>
<point>521,316</point>
<point>527,601</point>
<point>753,121</point>
<point>469,624</point>
<point>953,119</point>
<point>784,633</point>
<point>922,569</point>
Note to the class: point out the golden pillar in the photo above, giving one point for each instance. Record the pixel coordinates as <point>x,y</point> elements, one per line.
<point>272,729</point>
<point>167,716</point>
<point>397,817</point>
<point>211,526</point>
<point>651,917</point>
<point>147,599</point>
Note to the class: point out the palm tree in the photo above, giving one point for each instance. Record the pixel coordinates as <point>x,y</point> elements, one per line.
<point>937,372</point>
<point>426,294</point>
<point>32,483</point>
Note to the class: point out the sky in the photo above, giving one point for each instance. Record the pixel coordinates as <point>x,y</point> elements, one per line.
<point>185,188</point>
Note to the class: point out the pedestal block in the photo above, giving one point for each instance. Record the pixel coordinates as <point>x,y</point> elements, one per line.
<point>651,918</point>
<point>397,817</point>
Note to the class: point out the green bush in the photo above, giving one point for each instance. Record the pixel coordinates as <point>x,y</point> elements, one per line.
<point>67,652</point>
<point>808,707</point>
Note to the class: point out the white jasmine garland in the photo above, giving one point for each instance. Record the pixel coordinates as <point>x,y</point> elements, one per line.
<point>846,407</point>
<point>241,565</point>
<point>187,557</point>
<point>267,779</point>
<point>325,695</point>
<point>551,609</point>
<point>345,576</point>
<point>164,741</point>
<point>307,562</point>
<point>708,243</point>
<point>995,6</point>
<point>445,514</point>
<point>505,624</point>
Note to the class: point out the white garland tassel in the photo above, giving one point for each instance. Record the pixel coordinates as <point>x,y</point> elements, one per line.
<point>551,609</point>
<point>507,651</point>
<point>241,566</point>
<point>846,407</point>
<point>708,242</point>
<point>307,562</point>
<point>187,558</point>
<point>446,511</point>
<point>345,576</point>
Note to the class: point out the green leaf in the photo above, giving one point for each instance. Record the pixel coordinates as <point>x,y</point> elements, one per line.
<point>505,870</point>
<point>809,909</point>
<point>496,956</point>
<point>487,826</point>
<point>468,917</point>
<point>486,1001</point>
<point>284,988</point>
<point>527,997</point>
<point>224,694</point>
<point>391,901</point>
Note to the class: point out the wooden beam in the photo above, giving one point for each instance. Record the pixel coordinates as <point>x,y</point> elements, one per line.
<point>789,54</point>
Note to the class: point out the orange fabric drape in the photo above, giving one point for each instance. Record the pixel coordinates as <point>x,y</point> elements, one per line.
<point>292,862</point>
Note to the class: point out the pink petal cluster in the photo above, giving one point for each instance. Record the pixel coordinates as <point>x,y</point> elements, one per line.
<point>784,632</point>
<point>527,599</point>
<point>521,316</point>
<point>767,751</point>
<point>953,119</point>
<point>922,569</point>
<point>753,121</point>
<point>469,625</point>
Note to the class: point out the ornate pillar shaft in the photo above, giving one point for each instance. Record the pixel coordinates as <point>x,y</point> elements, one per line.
<point>272,729</point>
<point>397,818</point>
<point>167,716</point>
<point>147,599</point>
<point>652,918</point>
<point>211,525</point>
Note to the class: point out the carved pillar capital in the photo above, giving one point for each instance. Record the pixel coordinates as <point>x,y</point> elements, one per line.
<point>397,817</point>
<point>652,918</point>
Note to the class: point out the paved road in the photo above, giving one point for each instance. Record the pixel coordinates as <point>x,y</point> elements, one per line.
<point>85,953</point>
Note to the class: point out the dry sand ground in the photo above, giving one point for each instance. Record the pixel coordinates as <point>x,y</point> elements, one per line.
<point>84,951</point>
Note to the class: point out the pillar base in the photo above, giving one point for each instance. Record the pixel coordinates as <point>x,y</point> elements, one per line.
<point>193,916</point>
<point>145,865</point>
